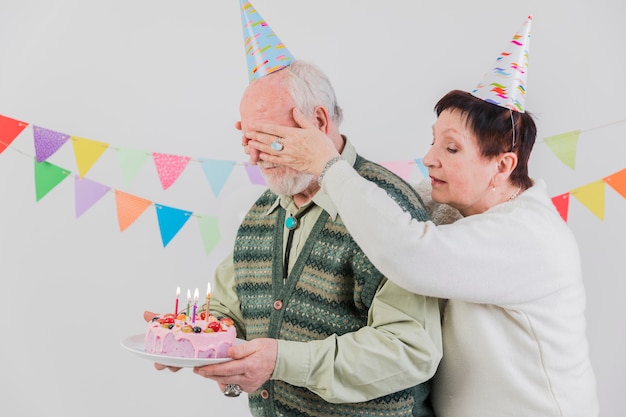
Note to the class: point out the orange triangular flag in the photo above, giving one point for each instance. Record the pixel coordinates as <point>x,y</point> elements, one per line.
<point>9,130</point>
<point>561,202</point>
<point>87,152</point>
<point>617,181</point>
<point>129,208</point>
<point>592,197</point>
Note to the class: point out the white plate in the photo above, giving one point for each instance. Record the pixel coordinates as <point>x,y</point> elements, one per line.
<point>136,344</point>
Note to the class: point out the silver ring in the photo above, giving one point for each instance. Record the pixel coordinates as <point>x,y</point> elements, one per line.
<point>277,145</point>
<point>232,390</point>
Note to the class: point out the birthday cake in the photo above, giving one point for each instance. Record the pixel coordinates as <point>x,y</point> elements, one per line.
<point>181,336</point>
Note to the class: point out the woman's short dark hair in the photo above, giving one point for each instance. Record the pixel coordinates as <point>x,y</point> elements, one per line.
<point>493,127</point>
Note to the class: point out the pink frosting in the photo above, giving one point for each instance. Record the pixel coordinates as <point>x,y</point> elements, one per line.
<point>174,342</point>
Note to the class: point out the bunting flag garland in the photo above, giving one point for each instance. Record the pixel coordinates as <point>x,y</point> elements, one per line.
<point>617,181</point>
<point>87,152</point>
<point>9,130</point>
<point>254,174</point>
<point>131,161</point>
<point>47,176</point>
<point>169,167</point>
<point>592,196</point>
<point>87,193</point>
<point>564,146</point>
<point>217,172</point>
<point>420,164</point>
<point>400,168</point>
<point>171,220</point>
<point>561,202</point>
<point>210,232</point>
<point>47,142</point>
<point>129,208</point>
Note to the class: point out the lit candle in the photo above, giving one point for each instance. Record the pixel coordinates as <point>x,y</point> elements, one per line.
<point>208,299</point>
<point>177,295</point>
<point>188,301</point>
<point>195,305</point>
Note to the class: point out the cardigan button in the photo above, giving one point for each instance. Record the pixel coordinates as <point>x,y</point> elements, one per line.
<point>265,394</point>
<point>278,305</point>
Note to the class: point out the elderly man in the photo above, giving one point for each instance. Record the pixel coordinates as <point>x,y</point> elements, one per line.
<point>328,334</point>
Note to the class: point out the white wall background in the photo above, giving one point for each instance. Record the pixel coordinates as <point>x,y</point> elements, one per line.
<point>166,77</point>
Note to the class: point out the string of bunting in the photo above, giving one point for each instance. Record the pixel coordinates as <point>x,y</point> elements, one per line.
<point>129,207</point>
<point>169,168</point>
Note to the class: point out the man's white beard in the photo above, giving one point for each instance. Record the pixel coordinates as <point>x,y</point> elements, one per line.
<point>289,182</point>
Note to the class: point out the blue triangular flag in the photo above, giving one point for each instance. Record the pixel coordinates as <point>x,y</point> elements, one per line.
<point>217,172</point>
<point>171,220</point>
<point>420,164</point>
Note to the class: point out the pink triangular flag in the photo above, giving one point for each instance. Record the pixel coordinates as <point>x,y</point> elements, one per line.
<point>87,193</point>
<point>400,168</point>
<point>169,167</point>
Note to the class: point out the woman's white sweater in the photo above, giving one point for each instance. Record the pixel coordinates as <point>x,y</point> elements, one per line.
<point>514,326</point>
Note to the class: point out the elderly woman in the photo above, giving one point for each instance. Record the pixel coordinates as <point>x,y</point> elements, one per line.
<point>514,326</point>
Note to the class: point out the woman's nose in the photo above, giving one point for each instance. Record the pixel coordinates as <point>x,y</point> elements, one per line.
<point>429,158</point>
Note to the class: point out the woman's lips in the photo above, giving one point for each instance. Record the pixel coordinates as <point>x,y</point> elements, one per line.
<point>435,181</point>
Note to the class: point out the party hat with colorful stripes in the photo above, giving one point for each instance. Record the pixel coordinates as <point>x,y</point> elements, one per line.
<point>265,53</point>
<point>505,83</point>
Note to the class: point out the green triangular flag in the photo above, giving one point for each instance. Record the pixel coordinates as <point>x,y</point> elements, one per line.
<point>47,176</point>
<point>131,161</point>
<point>564,146</point>
<point>209,231</point>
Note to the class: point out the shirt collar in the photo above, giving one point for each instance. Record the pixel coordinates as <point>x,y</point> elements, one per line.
<point>320,198</point>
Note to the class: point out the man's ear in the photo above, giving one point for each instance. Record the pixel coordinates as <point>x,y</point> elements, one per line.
<point>322,119</point>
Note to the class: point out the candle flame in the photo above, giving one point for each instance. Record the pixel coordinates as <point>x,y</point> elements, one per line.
<point>177,291</point>
<point>195,296</point>
<point>208,289</point>
<point>188,295</point>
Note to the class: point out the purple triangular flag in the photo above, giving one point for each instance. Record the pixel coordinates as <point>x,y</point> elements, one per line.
<point>47,142</point>
<point>254,174</point>
<point>87,193</point>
